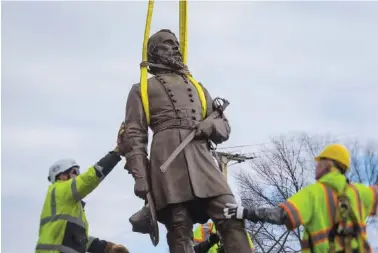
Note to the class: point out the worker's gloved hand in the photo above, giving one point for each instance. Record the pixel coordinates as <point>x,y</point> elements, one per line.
<point>234,211</point>
<point>214,239</point>
<point>141,187</point>
<point>122,144</point>
<point>205,129</point>
<point>115,248</point>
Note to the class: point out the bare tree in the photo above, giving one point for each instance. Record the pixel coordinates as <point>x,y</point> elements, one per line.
<point>283,168</point>
<point>364,168</point>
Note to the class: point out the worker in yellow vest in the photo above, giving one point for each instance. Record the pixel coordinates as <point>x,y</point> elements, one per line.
<point>332,210</point>
<point>63,224</point>
<point>207,240</point>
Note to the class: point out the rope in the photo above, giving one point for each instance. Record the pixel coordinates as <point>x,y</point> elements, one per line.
<point>183,38</point>
<point>183,27</point>
<point>143,67</point>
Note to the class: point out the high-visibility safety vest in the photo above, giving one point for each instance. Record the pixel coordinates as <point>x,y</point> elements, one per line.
<point>316,205</point>
<point>63,224</point>
<point>203,231</point>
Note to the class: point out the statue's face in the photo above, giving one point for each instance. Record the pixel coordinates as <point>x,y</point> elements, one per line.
<point>164,45</point>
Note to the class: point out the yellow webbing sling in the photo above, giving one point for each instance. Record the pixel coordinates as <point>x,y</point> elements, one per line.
<point>183,13</point>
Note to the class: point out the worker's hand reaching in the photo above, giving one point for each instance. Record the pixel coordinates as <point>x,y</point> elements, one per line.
<point>122,143</point>
<point>234,211</point>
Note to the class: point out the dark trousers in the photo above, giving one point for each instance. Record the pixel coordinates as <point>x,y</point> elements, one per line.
<point>178,219</point>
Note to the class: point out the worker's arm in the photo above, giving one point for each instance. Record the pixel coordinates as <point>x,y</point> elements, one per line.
<point>217,130</point>
<point>95,245</point>
<point>78,188</point>
<point>369,197</point>
<point>296,211</point>
<point>136,140</point>
<point>275,215</point>
<point>204,247</point>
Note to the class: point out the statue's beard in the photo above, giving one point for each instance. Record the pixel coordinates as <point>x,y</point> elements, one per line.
<point>168,56</point>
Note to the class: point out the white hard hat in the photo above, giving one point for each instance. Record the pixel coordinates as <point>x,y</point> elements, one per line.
<point>60,167</point>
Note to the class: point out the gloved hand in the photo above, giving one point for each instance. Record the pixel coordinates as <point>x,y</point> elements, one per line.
<point>234,211</point>
<point>141,187</point>
<point>115,248</point>
<point>205,129</point>
<point>122,146</point>
<point>214,239</point>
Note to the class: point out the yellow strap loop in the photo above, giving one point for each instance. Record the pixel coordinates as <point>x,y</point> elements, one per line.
<point>183,16</point>
<point>183,9</point>
<point>143,68</point>
<point>201,94</point>
<point>183,39</point>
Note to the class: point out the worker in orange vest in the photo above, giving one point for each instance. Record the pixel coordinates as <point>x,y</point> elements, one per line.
<point>207,239</point>
<point>333,211</point>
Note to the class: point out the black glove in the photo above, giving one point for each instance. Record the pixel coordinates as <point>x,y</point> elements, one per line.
<point>214,238</point>
<point>141,187</point>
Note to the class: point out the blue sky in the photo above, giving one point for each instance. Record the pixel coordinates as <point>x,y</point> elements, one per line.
<point>67,68</point>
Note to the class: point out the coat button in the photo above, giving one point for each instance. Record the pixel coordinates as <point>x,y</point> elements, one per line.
<point>174,100</point>
<point>169,90</point>
<point>170,94</point>
<point>189,89</point>
<point>190,95</point>
<point>194,118</point>
<point>191,100</point>
<point>193,110</point>
<point>177,110</point>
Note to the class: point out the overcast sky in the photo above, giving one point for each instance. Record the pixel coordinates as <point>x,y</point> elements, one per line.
<point>67,68</point>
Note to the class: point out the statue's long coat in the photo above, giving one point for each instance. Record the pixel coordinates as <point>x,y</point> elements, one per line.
<point>194,173</point>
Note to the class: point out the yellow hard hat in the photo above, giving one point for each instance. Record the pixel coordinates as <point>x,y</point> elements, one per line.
<point>336,152</point>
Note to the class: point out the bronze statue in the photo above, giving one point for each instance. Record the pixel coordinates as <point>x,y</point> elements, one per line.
<point>192,189</point>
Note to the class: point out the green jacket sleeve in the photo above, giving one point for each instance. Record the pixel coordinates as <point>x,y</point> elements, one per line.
<point>78,188</point>
<point>369,198</point>
<point>299,207</point>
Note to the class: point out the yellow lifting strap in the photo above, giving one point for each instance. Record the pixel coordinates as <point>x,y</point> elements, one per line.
<point>183,38</point>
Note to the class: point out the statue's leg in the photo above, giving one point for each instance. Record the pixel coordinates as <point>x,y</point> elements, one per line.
<point>232,231</point>
<point>179,224</point>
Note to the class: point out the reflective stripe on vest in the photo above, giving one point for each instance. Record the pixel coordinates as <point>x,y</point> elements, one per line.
<point>206,230</point>
<point>146,103</point>
<point>320,236</point>
<point>374,210</point>
<point>66,217</point>
<point>100,170</point>
<point>60,248</point>
<point>331,203</point>
<point>293,213</point>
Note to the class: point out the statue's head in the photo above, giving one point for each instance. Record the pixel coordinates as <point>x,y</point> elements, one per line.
<point>164,49</point>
